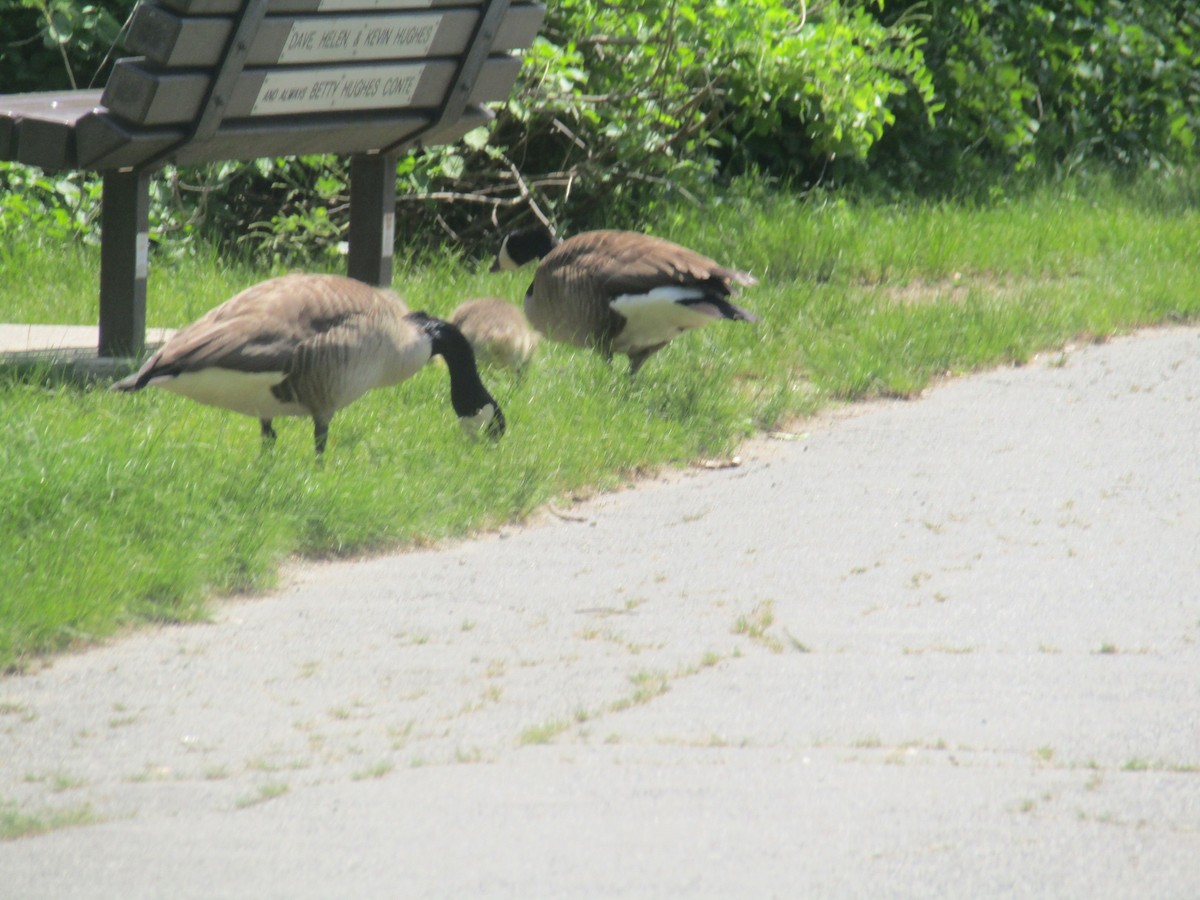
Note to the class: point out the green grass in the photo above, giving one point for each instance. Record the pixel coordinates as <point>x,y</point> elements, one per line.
<point>16,824</point>
<point>544,733</point>
<point>264,793</point>
<point>126,509</point>
<point>757,624</point>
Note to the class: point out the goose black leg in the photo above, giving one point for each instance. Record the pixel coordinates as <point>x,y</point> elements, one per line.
<point>268,434</point>
<point>320,435</point>
<point>638,358</point>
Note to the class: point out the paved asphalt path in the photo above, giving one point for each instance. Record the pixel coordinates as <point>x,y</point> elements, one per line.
<point>940,648</point>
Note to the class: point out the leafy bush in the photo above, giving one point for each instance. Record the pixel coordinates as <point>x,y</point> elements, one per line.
<point>617,103</point>
<point>621,103</point>
<point>1050,88</point>
<point>52,206</point>
<point>57,44</point>
<point>825,91</point>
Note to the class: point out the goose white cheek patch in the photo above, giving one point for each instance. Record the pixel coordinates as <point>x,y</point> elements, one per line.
<point>474,425</point>
<point>505,262</point>
<point>658,316</point>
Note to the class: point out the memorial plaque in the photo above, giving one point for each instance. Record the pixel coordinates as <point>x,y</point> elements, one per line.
<point>329,39</point>
<point>335,89</point>
<point>338,5</point>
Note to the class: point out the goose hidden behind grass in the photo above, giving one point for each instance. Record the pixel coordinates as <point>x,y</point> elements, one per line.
<point>621,291</point>
<point>497,330</point>
<point>309,345</point>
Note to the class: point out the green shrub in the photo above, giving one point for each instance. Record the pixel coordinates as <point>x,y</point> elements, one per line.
<point>57,44</point>
<point>623,104</point>
<point>1049,88</point>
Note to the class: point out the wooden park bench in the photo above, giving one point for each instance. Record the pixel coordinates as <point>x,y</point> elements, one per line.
<point>211,80</point>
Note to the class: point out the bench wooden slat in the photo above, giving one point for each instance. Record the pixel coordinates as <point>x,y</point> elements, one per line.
<point>166,39</point>
<point>229,7</point>
<point>46,138</point>
<point>15,107</point>
<point>104,144</point>
<point>143,96</point>
<point>113,145</point>
<point>48,141</point>
<point>355,134</point>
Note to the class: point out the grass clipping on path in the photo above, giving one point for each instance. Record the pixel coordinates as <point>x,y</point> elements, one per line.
<point>120,510</point>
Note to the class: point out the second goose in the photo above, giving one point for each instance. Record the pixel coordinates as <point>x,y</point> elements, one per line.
<point>621,291</point>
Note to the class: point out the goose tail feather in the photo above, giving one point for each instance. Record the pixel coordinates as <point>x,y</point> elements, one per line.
<point>134,382</point>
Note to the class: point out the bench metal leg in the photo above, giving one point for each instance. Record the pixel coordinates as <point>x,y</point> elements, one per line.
<point>372,217</point>
<point>124,252</point>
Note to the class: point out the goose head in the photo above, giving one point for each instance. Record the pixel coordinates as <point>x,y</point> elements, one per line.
<point>521,247</point>
<point>477,410</point>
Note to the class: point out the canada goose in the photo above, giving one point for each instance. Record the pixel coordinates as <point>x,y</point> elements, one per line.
<point>497,331</point>
<point>620,291</point>
<point>308,345</point>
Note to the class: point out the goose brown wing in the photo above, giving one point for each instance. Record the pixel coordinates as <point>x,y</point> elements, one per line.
<point>631,263</point>
<point>262,328</point>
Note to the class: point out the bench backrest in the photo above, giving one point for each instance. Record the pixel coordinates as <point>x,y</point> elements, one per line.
<point>242,79</point>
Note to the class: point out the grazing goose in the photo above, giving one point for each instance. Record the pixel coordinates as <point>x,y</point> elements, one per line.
<point>497,331</point>
<point>620,291</point>
<point>308,345</point>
